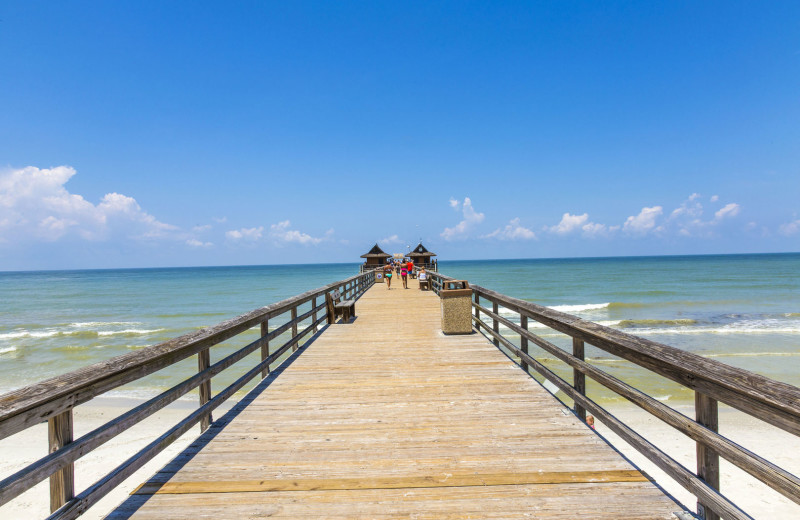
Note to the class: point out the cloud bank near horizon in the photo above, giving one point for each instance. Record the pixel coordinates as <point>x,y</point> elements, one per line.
<point>37,208</point>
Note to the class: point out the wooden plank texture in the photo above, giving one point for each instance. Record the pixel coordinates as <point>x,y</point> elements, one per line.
<point>386,417</point>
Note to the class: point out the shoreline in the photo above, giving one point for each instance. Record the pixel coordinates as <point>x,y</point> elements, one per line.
<point>755,498</point>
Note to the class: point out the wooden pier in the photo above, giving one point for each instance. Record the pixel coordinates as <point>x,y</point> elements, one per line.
<point>386,417</point>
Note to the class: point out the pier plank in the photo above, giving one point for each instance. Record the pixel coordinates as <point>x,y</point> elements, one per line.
<point>386,417</point>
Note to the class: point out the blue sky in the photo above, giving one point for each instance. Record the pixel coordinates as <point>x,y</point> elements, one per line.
<point>137,134</point>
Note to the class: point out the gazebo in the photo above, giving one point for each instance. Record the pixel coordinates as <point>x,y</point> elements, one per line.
<point>375,258</point>
<point>422,257</point>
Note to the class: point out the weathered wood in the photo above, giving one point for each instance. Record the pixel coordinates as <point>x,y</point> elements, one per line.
<point>265,345</point>
<point>314,307</point>
<point>62,482</point>
<point>203,362</point>
<point>495,323</point>
<point>414,482</point>
<point>32,404</point>
<point>670,466</point>
<point>294,324</point>
<point>523,340</point>
<point>578,378</point>
<point>388,402</point>
<point>772,401</point>
<point>767,472</point>
<point>706,412</point>
<point>78,505</point>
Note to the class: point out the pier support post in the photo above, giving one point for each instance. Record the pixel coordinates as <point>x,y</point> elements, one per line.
<point>62,482</point>
<point>523,341</point>
<point>294,328</point>
<point>203,362</point>
<point>314,306</point>
<point>706,413</point>
<point>477,311</point>
<point>265,346</point>
<point>495,324</point>
<point>578,377</point>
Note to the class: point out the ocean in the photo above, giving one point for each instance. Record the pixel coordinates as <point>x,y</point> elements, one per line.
<point>743,310</point>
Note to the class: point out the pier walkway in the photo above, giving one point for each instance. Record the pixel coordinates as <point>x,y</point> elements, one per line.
<point>386,417</point>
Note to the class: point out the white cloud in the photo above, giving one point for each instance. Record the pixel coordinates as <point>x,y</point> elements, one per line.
<point>248,234</point>
<point>220,220</point>
<point>790,228</point>
<point>471,219</point>
<point>694,196</point>
<point>730,210</point>
<point>569,223</point>
<point>193,242</point>
<point>594,230</point>
<point>714,198</point>
<point>282,232</point>
<point>512,231</point>
<point>394,239</point>
<point>644,222</point>
<point>35,204</point>
<point>200,229</point>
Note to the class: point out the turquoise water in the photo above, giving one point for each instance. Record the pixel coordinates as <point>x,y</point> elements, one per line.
<point>739,309</point>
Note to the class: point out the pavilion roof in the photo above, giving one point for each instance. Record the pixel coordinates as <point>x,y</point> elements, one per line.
<point>420,251</point>
<point>376,252</point>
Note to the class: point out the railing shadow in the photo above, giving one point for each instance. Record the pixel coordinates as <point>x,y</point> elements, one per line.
<point>134,502</point>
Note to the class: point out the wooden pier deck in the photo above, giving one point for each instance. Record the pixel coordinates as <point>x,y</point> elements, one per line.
<point>386,417</point>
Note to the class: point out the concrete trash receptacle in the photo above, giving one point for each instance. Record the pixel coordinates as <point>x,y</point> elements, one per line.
<point>456,297</point>
<point>379,277</point>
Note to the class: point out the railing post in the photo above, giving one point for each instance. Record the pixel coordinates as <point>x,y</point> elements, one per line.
<point>265,346</point>
<point>314,317</point>
<point>294,328</point>
<point>62,482</point>
<point>477,311</point>
<point>523,341</point>
<point>495,324</point>
<point>578,377</point>
<point>203,362</point>
<point>706,413</point>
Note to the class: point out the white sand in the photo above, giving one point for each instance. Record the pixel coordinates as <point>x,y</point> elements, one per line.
<point>752,496</point>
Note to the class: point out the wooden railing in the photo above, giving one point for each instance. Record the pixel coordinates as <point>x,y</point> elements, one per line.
<point>768,400</point>
<point>54,399</point>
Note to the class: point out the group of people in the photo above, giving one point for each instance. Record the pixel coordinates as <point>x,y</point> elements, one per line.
<point>403,269</point>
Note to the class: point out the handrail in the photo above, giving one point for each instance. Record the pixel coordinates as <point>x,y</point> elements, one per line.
<point>772,401</point>
<point>54,399</point>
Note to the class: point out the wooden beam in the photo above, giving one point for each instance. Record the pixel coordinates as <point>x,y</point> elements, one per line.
<point>203,362</point>
<point>265,346</point>
<point>62,482</point>
<point>448,480</point>
<point>578,378</point>
<point>706,412</point>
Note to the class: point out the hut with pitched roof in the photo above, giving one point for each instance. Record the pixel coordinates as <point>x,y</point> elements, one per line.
<point>376,257</point>
<point>422,257</point>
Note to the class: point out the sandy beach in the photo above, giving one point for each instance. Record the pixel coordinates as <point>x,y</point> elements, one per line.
<point>755,498</point>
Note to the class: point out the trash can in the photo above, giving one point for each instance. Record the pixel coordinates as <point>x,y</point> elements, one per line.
<point>379,277</point>
<point>456,299</point>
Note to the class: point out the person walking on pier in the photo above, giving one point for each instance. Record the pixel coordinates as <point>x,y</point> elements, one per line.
<point>387,274</point>
<point>404,274</point>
